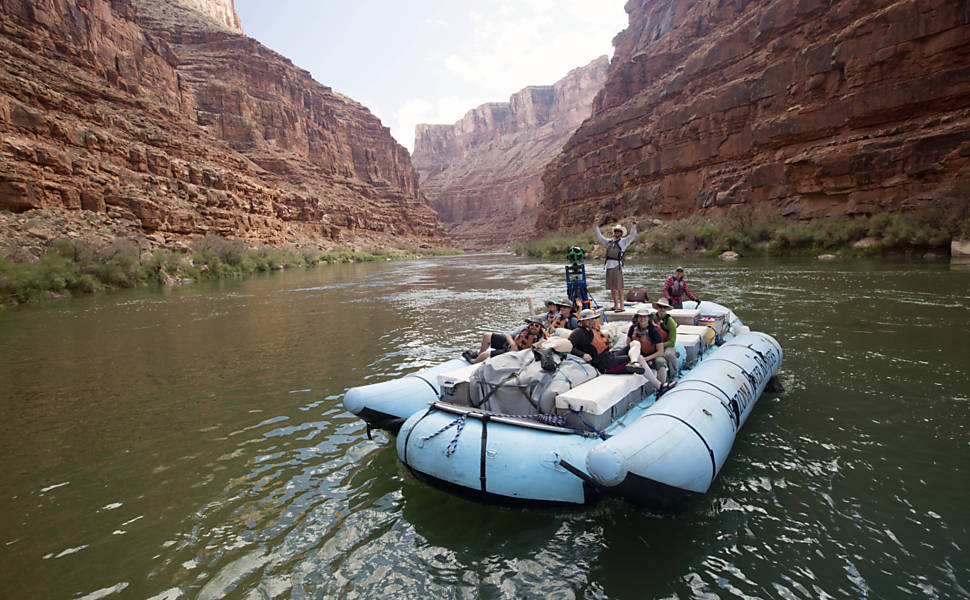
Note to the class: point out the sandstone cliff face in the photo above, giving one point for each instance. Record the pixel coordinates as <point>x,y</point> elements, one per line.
<point>482,174</point>
<point>806,109</point>
<point>159,113</point>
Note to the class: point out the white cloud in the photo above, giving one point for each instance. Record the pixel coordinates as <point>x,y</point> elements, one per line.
<point>534,42</point>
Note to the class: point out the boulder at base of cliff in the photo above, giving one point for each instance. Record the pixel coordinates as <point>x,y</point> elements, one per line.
<point>729,255</point>
<point>960,248</point>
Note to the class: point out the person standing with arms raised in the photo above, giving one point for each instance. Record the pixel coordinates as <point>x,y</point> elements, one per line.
<point>615,249</point>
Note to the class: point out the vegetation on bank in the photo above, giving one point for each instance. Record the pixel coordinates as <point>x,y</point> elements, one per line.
<point>862,236</point>
<point>71,267</point>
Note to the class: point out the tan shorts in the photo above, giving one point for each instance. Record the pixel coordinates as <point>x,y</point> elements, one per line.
<point>614,278</point>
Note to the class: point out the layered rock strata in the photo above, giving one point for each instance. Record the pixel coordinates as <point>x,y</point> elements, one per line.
<point>162,115</point>
<point>806,109</point>
<point>483,173</point>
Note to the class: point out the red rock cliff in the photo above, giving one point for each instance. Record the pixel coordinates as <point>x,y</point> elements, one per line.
<point>482,174</point>
<point>161,114</point>
<point>802,108</point>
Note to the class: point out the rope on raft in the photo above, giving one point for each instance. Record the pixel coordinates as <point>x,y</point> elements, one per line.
<point>555,420</point>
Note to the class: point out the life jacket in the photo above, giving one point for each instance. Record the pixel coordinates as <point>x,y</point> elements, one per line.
<point>526,338</point>
<point>560,322</point>
<point>677,287</point>
<point>599,340</point>
<point>614,251</point>
<point>643,336</point>
<point>662,326</point>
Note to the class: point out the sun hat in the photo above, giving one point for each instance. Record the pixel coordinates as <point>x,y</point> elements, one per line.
<point>535,320</point>
<point>550,300</point>
<point>621,228</point>
<point>678,269</point>
<point>662,303</point>
<point>643,312</point>
<point>586,313</point>
<point>565,303</point>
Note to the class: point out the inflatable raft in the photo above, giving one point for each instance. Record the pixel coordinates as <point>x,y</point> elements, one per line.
<point>509,429</point>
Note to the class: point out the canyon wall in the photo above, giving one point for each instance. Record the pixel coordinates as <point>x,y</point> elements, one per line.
<point>807,108</point>
<point>161,115</point>
<point>483,174</point>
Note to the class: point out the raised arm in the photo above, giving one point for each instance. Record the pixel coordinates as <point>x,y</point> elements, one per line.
<point>599,234</point>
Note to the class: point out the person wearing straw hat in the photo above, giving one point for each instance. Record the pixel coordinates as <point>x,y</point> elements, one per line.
<point>615,249</point>
<point>668,331</point>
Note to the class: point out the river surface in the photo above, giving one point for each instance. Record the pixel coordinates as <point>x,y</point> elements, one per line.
<point>192,443</point>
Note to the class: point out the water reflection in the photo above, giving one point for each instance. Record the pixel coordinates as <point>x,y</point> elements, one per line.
<point>191,443</point>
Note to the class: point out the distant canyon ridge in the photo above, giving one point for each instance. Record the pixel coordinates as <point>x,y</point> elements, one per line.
<point>161,118</point>
<point>483,174</point>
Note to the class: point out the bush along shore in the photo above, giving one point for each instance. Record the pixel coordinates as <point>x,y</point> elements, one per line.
<point>71,267</point>
<point>883,234</point>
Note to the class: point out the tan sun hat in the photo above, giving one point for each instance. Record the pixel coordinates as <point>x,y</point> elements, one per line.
<point>662,303</point>
<point>586,313</point>
<point>621,228</point>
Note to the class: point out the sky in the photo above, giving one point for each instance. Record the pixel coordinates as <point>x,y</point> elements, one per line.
<point>431,61</point>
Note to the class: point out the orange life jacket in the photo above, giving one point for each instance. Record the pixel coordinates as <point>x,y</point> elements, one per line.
<point>646,346</point>
<point>664,334</point>
<point>560,322</point>
<point>599,340</point>
<point>527,338</point>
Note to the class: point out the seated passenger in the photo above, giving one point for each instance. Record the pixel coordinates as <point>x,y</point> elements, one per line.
<point>565,319</point>
<point>590,344</point>
<point>668,331</point>
<point>552,311</point>
<point>494,344</point>
<point>643,330</point>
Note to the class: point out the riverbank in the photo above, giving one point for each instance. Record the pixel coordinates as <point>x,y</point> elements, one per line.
<point>72,267</point>
<point>879,235</point>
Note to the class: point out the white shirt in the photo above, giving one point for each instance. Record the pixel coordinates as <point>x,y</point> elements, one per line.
<point>624,242</point>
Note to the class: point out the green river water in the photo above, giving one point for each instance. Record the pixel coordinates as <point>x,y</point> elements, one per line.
<point>192,443</point>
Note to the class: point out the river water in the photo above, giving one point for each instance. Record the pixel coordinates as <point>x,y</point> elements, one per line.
<point>191,443</point>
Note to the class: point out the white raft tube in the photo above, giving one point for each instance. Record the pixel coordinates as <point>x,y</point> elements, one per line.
<point>386,405</point>
<point>673,452</point>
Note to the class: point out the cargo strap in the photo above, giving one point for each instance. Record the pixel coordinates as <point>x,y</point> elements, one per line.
<point>579,415</point>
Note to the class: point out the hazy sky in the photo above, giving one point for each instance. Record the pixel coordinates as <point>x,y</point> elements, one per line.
<point>431,61</point>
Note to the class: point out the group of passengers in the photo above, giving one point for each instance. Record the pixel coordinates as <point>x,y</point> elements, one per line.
<point>649,347</point>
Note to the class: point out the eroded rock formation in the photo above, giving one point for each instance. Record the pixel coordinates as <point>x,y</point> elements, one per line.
<point>160,113</point>
<point>483,174</point>
<point>806,109</point>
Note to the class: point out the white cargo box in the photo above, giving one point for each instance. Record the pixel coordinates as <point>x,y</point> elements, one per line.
<point>685,316</point>
<point>705,332</point>
<point>454,384</point>
<point>692,344</point>
<point>628,312</point>
<point>602,399</point>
